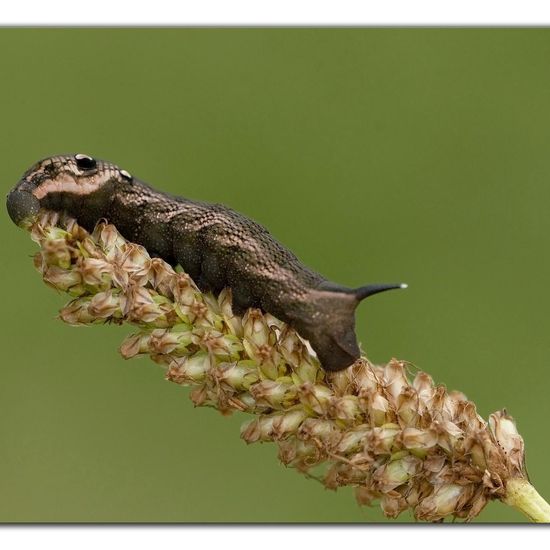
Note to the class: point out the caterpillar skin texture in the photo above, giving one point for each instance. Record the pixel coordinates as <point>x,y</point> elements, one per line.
<point>215,245</point>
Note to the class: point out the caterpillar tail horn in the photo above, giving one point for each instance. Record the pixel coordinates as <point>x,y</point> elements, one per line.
<point>365,291</point>
<point>331,327</point>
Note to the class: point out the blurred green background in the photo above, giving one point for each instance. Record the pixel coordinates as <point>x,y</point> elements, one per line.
<point>376,155</point>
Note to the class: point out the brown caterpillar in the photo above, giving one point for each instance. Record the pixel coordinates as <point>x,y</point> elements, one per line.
<point>215,245</point>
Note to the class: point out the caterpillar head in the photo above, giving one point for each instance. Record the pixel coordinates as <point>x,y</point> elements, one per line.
<point>75,183</point>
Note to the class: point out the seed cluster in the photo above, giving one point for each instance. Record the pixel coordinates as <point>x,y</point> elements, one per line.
<point>389,432</point>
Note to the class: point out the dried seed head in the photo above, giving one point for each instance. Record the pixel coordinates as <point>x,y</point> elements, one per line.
<point>409,445</point>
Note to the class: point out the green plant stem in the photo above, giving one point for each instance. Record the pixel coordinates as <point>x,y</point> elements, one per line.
<point>522,495</point>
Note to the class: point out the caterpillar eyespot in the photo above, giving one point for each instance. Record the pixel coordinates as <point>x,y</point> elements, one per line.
<point>85,162</point>
<point>126,175</point>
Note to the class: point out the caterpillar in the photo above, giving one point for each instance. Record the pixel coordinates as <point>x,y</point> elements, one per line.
<point>215,245</point>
